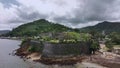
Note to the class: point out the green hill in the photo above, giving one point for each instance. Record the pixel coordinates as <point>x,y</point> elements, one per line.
<point>44,26</point>
<point>37,27</point>
<point>108,27</point>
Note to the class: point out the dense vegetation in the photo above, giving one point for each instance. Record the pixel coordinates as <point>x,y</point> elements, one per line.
<point>36,27</point>
<point>67,37</point>
<point>108,27</point>
<point>43,26</point>
<point>112,40</point>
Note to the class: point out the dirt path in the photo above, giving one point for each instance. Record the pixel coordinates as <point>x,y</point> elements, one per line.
<point>105,61</point>
<point>89,65</point>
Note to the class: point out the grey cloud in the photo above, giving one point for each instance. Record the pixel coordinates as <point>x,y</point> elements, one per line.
<point>60,19</point>
<point>89,11</point>
<point>57,2</point>
<point>16,20</point>
<point>7,3</point>
<point>33,15</point>
<point>60,2</point>
<point>27,15</point>
<point>96,10</point>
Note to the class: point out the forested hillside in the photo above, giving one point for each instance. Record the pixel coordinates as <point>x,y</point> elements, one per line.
<point>37,27</point>
<point>107,27</point>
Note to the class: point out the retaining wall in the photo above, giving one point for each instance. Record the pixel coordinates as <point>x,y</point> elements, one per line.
<point>65,49</point>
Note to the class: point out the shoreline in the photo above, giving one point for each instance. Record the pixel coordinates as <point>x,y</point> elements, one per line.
<point>96,59</point>
<point>77,61</point>
<point>49,61</point>
<point>110,62</point>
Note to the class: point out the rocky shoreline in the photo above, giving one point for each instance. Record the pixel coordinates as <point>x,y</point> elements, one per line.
<point>49,61</point>
<point>81,60</point>
<point>93,59</point>
<point>61,61</point>
<point>96,59</point>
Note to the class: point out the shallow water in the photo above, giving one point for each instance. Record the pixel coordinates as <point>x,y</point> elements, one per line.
<point>10,61</point>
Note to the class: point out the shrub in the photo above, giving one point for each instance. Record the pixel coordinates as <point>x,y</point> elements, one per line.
<point>32,49</point>
<point>54,41</point>
<point>109,45</point>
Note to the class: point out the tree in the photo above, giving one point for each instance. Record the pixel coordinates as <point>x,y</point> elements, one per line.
<point>72,35</point>
<point>115,38</point>
<point>109,44</point>
<point>94,46</point>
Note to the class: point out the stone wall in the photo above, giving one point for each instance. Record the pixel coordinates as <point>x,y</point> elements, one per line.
<point>65,49</point>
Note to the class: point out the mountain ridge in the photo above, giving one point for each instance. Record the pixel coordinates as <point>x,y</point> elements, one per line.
<point>43,26</point>
<point>106,26</point>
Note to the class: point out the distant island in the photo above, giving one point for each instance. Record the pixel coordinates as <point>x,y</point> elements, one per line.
<point>4,32</point>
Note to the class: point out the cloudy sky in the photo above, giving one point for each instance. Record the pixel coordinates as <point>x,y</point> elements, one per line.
<point>72,13</point>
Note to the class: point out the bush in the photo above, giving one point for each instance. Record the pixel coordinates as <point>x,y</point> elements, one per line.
<point>46,38</point>
<point>94,47</point>
<point>54,41</point>
<point>115,38</point>
<point>109,45</point>
<point>69,41</point>
<point>72,35</point>
<point>32,49</point>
